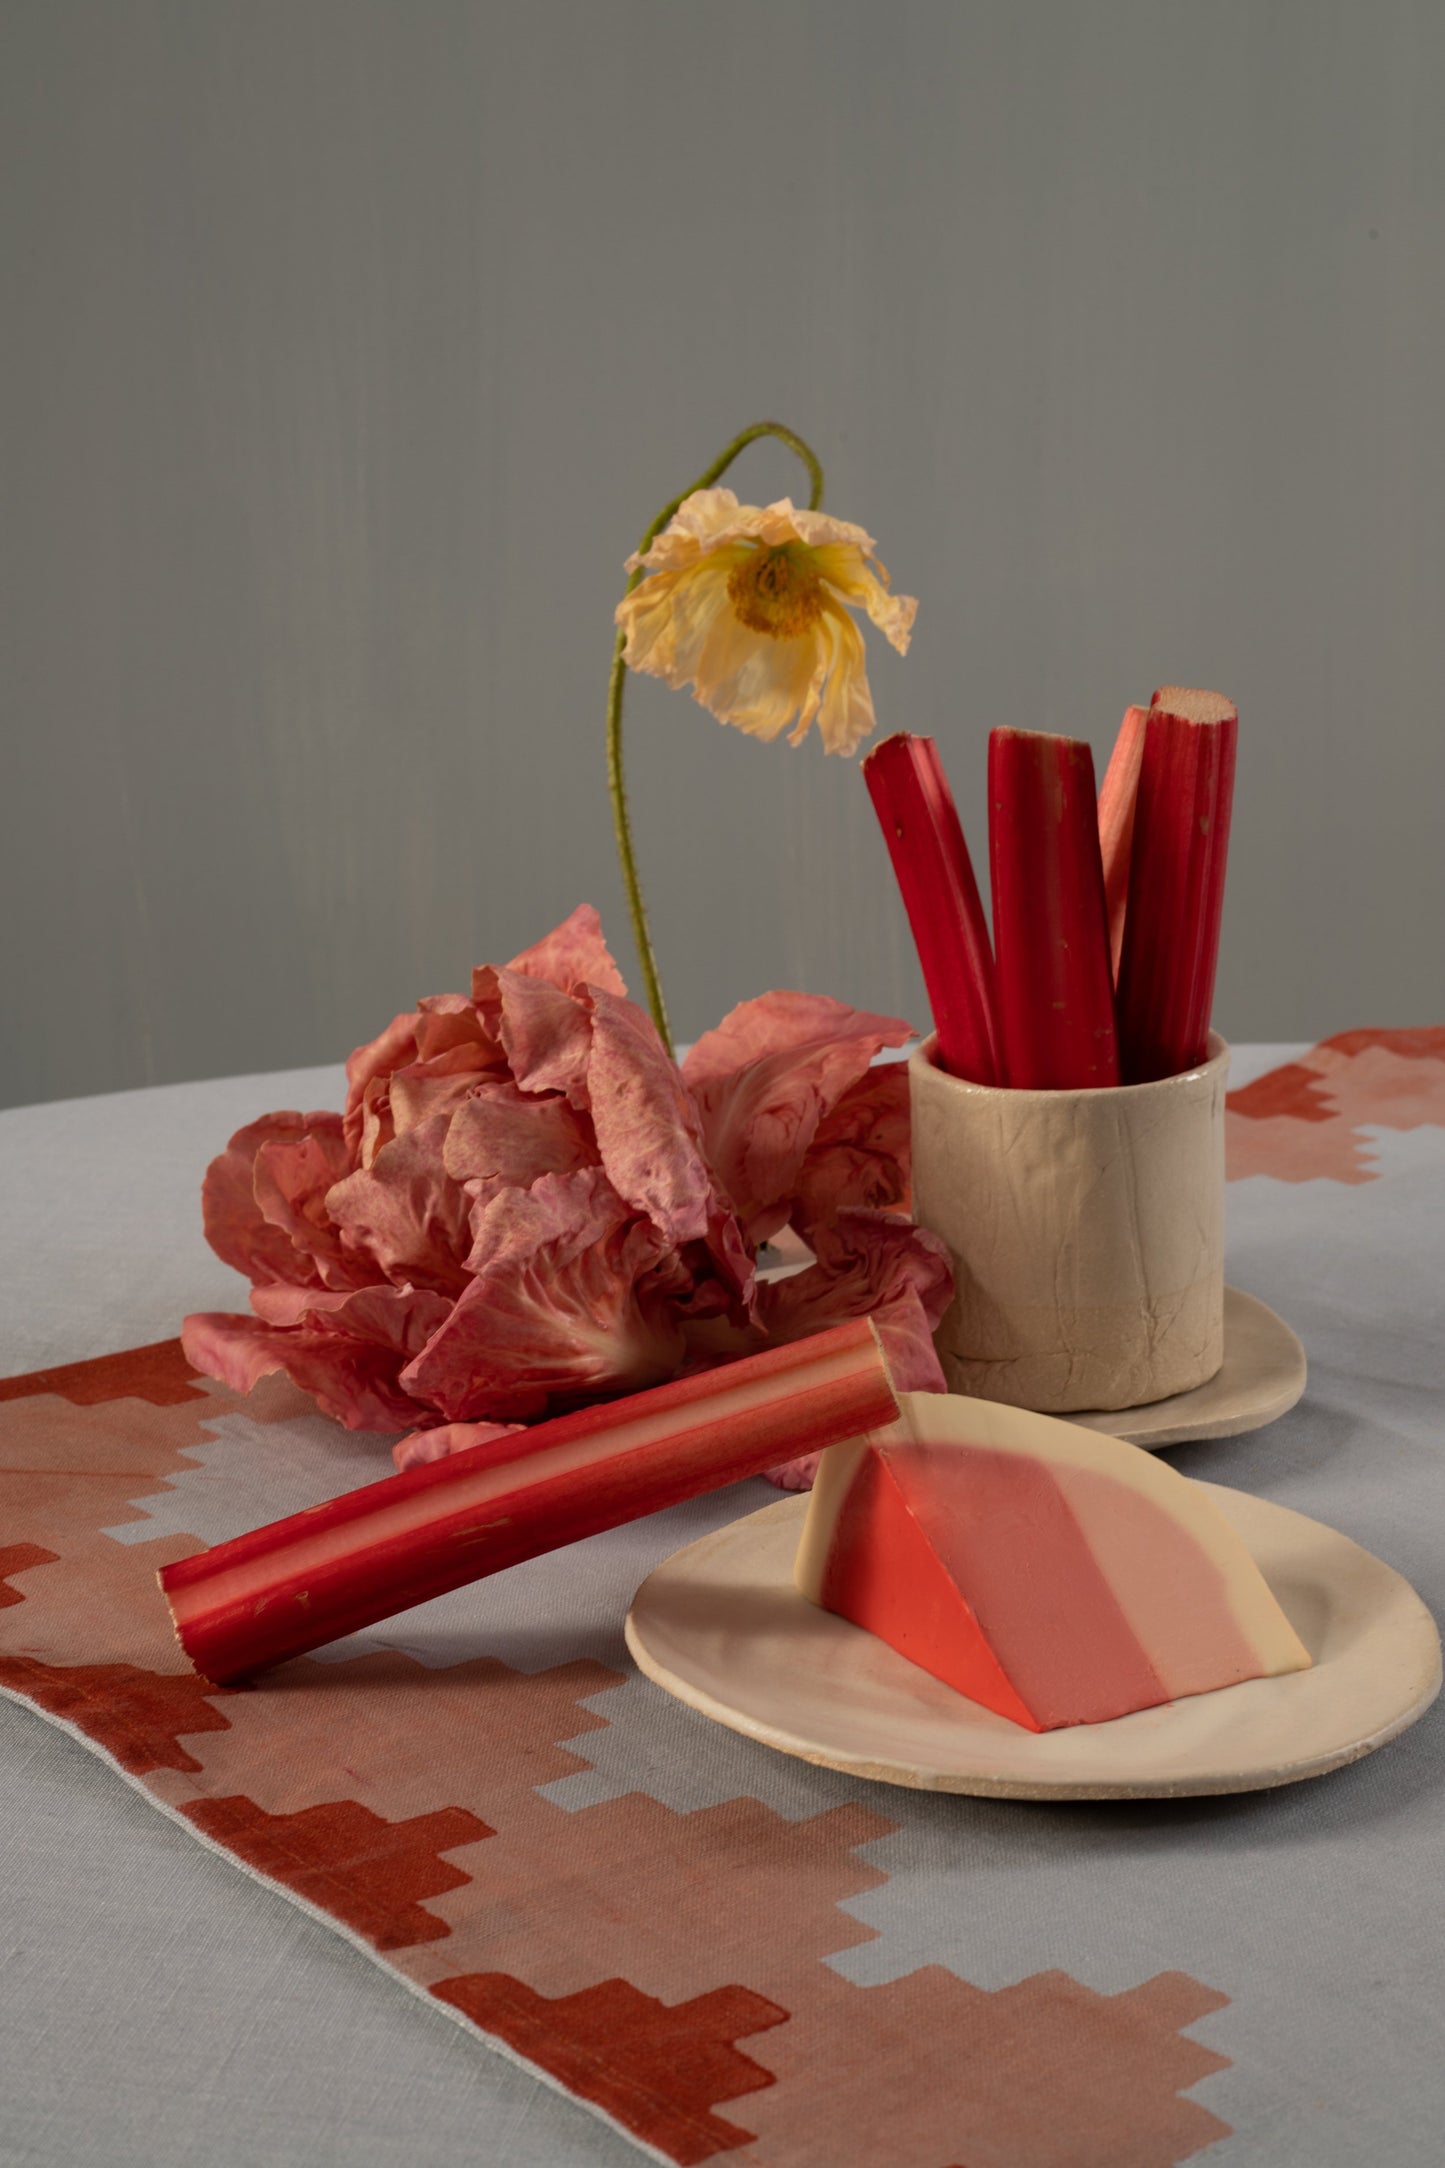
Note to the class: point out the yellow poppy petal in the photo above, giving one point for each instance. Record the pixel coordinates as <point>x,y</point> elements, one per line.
<point>702,521</point>
<point>668,617</point>
<point>851,574</point>
<point>845,714</point>
<point>753,681</point>
<point>821,531</point>
<point>749,604</point>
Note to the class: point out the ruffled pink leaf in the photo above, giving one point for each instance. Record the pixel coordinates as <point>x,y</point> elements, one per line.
<point>561,1309</point>
<point>369,1067</point>
<point>446,1021</point>
<point>291,1180</point>
<point>573,954</point>
<point>448,1438</point>
<point>782,1022</point>
<point>351,1379</point>
<point>425,1089</point>
<point>401,1318</point>
<point>547,1035</point>
<point>645,1124</point>
<point>860,1151</point>
<point>766,1080</point>
<point>501,1137</point>
<point>236,1226</point>
<point>278,1305</point>
<point>870,1264</point>
<point>406,1213</point>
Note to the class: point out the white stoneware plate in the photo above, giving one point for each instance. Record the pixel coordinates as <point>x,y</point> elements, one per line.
<point>1262,1376</point>
<point>721,1626</point>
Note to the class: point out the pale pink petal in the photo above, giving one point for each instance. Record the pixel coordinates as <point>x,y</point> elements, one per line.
<point>348,1378</point>
<point>406,1213</point>
<point>645,1124</point>
<point>235,1225</point>
<point>573,954</point>
<point>500,1134</point>
<point>560,1310</point>
<point>449,1438</point>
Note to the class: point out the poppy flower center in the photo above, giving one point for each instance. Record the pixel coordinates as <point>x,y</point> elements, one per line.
<point>776,591</point>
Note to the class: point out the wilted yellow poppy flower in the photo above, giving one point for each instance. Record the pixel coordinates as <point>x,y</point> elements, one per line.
<point>749,605</point>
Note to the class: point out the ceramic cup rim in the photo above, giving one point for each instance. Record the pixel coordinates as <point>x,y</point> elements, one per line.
<point>1215,1063</point>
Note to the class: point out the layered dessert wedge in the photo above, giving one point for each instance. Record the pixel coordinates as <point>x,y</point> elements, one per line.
<point>1054,1575</point>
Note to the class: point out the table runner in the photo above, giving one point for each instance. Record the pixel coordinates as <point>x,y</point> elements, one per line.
<point>723,1951</point>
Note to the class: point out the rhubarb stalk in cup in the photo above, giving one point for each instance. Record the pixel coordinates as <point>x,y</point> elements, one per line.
<point>935,877</point>
<point>1050,925</point>
<point>1118,797</point>
<point>1176,882</point>
<point>1106,917</point>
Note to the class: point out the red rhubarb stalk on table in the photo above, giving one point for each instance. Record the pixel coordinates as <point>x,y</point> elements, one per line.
<point>307,1580</point>
<point>1118,796</point>
<point>1050,928</point>
<point>935,876</point>
<point>1176,882</point>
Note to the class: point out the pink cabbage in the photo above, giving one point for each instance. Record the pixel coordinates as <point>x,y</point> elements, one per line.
<point>526,1205</point>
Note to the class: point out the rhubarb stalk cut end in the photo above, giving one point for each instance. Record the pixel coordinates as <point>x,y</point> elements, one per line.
<point>1194,703</point>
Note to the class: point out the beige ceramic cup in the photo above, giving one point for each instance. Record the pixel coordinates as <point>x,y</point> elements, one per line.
<point>1086,1230</point>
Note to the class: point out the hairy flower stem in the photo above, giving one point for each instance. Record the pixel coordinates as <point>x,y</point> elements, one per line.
<point>617,684</point>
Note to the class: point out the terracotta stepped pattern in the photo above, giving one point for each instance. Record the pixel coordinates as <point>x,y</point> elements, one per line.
<point>670,1966</point>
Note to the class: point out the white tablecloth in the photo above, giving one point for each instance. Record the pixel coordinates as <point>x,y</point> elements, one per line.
<point>161,2008</point>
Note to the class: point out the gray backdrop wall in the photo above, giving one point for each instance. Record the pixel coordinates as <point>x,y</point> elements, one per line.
<point>349,344</point>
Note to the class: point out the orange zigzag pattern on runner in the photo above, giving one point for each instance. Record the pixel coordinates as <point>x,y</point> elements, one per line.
<point>625,1947</point>
<point>1306,1121</point>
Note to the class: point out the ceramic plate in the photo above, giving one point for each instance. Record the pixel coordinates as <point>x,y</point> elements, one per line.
<point>1262,1377</point>
<point>721,1626</point>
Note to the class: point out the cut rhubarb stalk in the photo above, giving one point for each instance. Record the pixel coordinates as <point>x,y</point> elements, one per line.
<point>1176,883</point>
<point>935,877</point>
<point>1052,1574</point>
<point>1118,795</point>
<point>339,1567</point>
<point>1050,929</point>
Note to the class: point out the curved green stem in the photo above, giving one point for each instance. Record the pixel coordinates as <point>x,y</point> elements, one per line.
<point>616,686</point>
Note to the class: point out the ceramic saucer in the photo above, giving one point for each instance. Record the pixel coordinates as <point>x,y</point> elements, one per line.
<point>721,1626</point>
<point>1262,1376</point>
